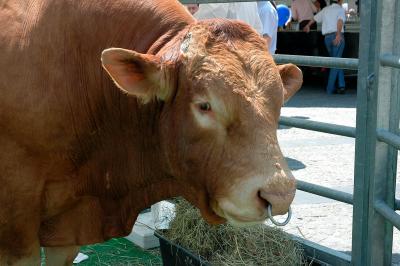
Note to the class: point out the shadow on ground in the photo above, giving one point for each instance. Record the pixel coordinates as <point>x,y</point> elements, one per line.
<point>313,94</point>
<point>294,164</point>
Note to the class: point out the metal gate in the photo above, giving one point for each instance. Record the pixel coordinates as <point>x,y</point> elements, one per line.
<point>376,133</point>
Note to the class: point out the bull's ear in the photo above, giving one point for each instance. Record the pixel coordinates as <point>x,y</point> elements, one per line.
<point>141,75</point>
<point>292,78</point>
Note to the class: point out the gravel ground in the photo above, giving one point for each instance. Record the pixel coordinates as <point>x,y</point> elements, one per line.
<point>326,160</point>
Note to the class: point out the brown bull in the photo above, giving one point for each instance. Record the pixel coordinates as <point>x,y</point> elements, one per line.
<point>192,111</point>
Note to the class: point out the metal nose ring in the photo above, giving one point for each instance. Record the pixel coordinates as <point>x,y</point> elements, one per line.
<point>275,222</point>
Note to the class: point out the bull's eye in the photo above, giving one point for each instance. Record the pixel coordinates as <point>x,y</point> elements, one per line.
<point>205,107</point>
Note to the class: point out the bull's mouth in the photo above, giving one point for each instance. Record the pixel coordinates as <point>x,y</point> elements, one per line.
<point>236,219</point>
<point>244,221</point>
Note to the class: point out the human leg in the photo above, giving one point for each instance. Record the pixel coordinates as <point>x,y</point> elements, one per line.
<point>339,52</point>
<point>335,51</point>
<point>330,88</point>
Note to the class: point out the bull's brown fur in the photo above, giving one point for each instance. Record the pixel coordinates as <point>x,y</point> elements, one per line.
<point>65,148</point>
<point>79,158</point>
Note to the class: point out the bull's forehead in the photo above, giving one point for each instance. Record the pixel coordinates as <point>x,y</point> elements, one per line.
<point>207,33</point>
<point>241,62</point>
<point>236,75</point>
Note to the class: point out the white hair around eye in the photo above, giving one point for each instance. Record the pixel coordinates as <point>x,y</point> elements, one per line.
<point>203,115</point>
<point>210,111</point>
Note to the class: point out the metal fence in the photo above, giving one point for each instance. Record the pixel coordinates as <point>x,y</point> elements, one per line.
<point>376,133</point>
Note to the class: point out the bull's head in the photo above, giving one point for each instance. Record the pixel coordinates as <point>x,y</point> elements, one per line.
<point>222,95</point>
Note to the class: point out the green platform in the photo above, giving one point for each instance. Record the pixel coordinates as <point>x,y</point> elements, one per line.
<point>119,251</point>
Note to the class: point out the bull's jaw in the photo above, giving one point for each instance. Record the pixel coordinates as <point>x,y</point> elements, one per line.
<point>208,213</point>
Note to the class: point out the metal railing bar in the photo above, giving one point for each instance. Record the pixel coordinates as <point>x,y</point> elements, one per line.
<point>318,126</point>
<point>317,61</point>
<point>390,60</point>
<point>325,192</point>
<point>383,209</point>
<point>321,253</point>
<point>397,204</point>
<point>388,137</point>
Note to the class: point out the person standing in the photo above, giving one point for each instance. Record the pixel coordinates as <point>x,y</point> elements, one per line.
<point>332,18</point>
<point>269,20</point>
<point>303,11</point>
<point>244,11</point>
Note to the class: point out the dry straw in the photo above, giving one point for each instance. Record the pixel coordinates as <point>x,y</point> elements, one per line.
<point>229,245</point>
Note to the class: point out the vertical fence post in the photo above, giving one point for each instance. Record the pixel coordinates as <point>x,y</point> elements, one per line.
<point>366,121</point>
<point>375,162</point>
<point>382,185</point>
<point>391,10</point>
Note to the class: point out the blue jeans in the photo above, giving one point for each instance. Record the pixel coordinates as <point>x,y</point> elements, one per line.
<point>334,51</point>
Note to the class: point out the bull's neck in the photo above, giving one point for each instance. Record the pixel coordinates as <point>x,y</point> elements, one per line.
<point>120,151</point>
<point>124,153</point>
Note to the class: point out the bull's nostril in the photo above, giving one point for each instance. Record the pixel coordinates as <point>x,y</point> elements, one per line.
<point>263,201</point>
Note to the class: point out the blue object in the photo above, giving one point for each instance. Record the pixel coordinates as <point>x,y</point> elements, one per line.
<point>284,15</point>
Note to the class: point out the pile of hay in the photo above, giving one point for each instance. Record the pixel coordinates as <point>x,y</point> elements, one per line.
<point>228,245</point>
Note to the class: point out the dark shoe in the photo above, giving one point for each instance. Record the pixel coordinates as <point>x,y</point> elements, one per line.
<point>341,91</point>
